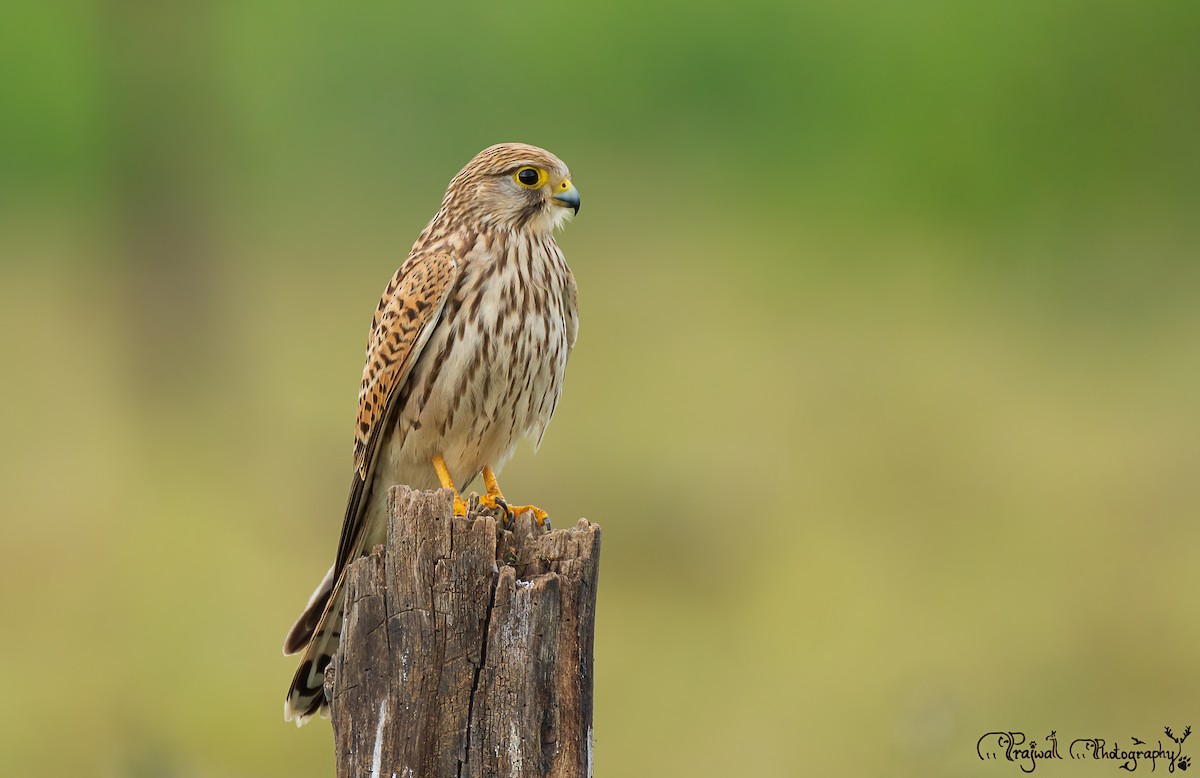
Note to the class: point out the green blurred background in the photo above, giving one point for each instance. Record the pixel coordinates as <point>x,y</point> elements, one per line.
<point>887,390</point>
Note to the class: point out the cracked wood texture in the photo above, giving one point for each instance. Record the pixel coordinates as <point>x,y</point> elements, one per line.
<point>466,649</point>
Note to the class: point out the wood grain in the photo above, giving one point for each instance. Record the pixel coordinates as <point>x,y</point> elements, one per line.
<point>466,649</point>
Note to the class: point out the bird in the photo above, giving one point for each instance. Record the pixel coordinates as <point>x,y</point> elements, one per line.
<point>465,357</point>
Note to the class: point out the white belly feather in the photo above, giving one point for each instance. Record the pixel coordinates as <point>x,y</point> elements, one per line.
<point>489,391</point>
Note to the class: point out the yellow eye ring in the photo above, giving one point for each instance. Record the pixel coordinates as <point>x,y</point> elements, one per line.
<point>530,177</point>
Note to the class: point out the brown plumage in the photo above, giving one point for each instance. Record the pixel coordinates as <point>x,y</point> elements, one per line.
<point>465,357</point>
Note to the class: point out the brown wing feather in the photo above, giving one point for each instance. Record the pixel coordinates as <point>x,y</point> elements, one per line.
<point>407,313</point>
<point>410,307</point>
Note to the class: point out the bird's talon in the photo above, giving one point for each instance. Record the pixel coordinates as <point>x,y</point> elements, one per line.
<point>494,501</point>
<point>540,516</point>
<point>496,497</point>
<point>460,506</point>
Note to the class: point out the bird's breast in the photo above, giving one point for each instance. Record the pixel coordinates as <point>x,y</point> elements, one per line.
<point>493,368</point>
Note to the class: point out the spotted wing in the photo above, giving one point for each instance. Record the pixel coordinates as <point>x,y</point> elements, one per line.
<point>410,308</point>
<point>408,311</point>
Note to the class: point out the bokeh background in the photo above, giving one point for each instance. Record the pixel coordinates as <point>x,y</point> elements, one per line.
<point>887,392</point>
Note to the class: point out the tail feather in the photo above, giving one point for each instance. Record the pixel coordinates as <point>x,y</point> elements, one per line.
<point>306,696</point>
<point>300,635</point>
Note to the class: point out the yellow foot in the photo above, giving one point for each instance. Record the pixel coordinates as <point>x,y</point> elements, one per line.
<point>494,498</point>
<point>496,501</point>
<point>443,474</point>
<point>539,515</point>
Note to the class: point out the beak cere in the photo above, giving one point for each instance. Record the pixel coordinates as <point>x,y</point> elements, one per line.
<point>568,197</point>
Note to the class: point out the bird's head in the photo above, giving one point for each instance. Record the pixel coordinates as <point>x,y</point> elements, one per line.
<point>513,186</point>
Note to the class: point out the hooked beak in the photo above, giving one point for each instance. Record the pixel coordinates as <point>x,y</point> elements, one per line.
<point>568,196</point>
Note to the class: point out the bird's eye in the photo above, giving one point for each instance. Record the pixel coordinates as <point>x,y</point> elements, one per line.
<point>531,177</point>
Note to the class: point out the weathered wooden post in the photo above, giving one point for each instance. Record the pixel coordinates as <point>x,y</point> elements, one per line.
<point>466,649</point>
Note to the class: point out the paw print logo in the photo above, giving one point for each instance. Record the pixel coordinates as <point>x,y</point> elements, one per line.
<point>1184,762</point>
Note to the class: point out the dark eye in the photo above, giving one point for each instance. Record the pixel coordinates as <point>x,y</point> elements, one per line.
<point>530,176</point>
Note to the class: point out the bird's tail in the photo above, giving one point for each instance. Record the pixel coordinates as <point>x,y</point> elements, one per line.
<point>317,631</point>
<point>302,631</point>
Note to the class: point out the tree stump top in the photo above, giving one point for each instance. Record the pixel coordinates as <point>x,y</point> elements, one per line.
<point>466,648</point>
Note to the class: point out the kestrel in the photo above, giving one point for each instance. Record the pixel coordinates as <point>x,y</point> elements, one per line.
<point>465,357</point>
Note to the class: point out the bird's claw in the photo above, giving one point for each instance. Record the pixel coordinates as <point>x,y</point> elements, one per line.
<point>497,502</point>
<point>540,516</point>
<point>494,501</point>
